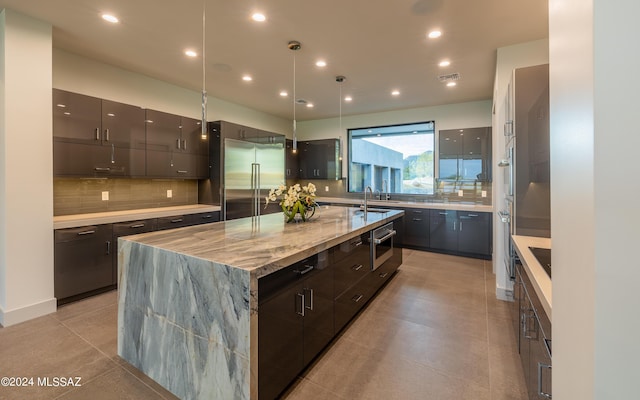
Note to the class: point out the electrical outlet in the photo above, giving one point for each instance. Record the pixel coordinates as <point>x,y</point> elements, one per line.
<point>483,193</point>
<point>460,193</point>
<point>169,193</point>
<point>326,188</point>
<point>105,196</point>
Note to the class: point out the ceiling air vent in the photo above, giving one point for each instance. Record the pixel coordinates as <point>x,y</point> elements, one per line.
<point>449,77</point>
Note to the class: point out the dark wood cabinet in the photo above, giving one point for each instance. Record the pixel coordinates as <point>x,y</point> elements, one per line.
<point>465,154</point>
<point>175,147</point>
<point>319,159</point>
<point>94,137</point>
<point>461,232</point>
<point>82,261</point>
<point>292,165</point>
<point>534,337</point>
<point>415,226</point>
<point>125,229</point>
<point>295,319</point>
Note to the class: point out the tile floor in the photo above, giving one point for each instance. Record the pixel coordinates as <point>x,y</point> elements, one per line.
<point>436,332</point>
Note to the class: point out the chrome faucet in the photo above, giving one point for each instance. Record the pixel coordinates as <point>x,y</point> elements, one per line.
<point>365,200</point>
<point>386,190</point>
<point>379,196</point>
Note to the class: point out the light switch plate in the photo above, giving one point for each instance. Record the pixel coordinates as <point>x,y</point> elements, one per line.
<point>460,193</point>
<point>169,193</point>
<point>105,196</point>
<point>326,188</point>
<point>484,193</point>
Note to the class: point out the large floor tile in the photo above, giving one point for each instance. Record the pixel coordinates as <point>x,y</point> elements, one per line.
<point>91,304</point>
<point>98,328</point>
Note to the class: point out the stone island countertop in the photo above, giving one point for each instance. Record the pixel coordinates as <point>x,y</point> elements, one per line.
<point>188,297</point>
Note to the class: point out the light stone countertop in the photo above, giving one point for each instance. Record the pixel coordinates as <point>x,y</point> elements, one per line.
<point>539,279</point>
<point>460,206</point>
<point>266,244</point>
<point>110,217</point>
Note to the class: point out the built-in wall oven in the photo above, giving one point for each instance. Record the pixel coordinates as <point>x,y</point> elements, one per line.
<point>381,245</point>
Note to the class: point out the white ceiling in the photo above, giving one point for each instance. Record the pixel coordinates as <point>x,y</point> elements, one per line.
<point>379,45</point>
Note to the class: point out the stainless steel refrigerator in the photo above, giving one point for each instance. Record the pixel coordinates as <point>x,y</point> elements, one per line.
<point>252,166</point>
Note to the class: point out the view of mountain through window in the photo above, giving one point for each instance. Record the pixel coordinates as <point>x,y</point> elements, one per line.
<point>392,159</point>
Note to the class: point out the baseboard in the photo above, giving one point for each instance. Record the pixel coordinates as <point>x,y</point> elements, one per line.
<point>18,315</point>
<point>504,294</point>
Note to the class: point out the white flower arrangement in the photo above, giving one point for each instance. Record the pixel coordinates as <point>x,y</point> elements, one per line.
<point>295,200</point>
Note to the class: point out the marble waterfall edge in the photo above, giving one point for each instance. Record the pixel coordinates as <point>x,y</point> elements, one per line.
<point>185,322</point>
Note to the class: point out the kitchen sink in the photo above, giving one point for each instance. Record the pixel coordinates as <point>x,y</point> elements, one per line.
<point>371,210</point>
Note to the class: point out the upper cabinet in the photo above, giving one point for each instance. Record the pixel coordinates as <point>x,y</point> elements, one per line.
<point>320,159</point>
<point>95,137</point>
<point>465,154</point>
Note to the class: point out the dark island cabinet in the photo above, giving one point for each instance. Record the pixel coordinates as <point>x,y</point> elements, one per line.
<point>295,319</point>
<point>461,232</point>
<point>82,261</point>
<point>125,229</point>
<point>96,138</point>
<point>320,159</point>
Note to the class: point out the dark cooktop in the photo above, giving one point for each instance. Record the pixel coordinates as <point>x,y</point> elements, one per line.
<point>544,258</point>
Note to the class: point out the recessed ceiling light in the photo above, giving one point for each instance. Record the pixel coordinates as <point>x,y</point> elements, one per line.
<point>348,98</point>
<point>434,34</point>
<point>321,63</point>
<point>247,78</point>
<point>451,84</point>
<point>67,113</point>
<point>61,105</point>
<point>148,121</point>
<point>258,17</point>
<point>111,114</point>
<point>110,18</point>
<point>190,53</point>
<point>444,63</point>
<point>395,93</point>
<point>284,93</point>
<point>309,105</point>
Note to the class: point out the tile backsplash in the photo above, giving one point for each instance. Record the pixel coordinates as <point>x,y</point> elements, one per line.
<point>80,196</point>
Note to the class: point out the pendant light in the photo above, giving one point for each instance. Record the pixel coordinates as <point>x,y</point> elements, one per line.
<point>340,79</point>
<point>295,46</point>
<point>203,123</point>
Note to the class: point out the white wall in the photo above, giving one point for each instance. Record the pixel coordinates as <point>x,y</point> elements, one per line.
<point>26,186</point>
<point>508,59</point>
<point>82,75</point>
<point>594,165</point>
<point>451,116</point>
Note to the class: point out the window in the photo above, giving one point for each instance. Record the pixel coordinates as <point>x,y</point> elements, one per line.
<point>392,159</point>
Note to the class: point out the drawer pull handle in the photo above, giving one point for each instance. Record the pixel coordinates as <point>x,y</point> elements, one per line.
<point>86,233</point>
<point>307,269</point>
<point>137,226</point>
<point>175,221</point>
<point>207,216</point>
<point>182,171</point>
<point>357,298</point>
<point>384,275</point>
<point>102,169</point>
<point>472,215</point>
<point>417,219</point>
<point>357,267</point>
<point>443,213</point>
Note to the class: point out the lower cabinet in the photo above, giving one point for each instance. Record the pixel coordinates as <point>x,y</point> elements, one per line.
<point>86,258</point>
<point>416,228</point>
<point>461,232</point>
<point>82,260</point>
<point>295,321</point>
<point>301,308</point>
<point>534,338</point>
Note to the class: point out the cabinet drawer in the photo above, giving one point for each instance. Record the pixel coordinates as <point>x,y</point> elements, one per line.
<point>204,218</point>
<point>350,302</point>
<point>174,221</point>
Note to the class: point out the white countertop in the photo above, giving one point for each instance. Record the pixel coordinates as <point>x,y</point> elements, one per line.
<point>76,220</point>
<point>410,204</point>
<point>539,279</point>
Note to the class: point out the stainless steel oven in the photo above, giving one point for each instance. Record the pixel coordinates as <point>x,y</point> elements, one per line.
<point>381,245</point>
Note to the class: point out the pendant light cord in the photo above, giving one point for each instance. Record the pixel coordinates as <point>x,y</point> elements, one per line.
<point>295,139</point>
<point>204,74</point>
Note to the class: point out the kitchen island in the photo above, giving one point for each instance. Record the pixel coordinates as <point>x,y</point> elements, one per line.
<point>188,297</point>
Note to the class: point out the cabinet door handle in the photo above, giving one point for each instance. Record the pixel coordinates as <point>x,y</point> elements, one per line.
<point>443,213</point>
<point>417,212</point>
<point>102,169</point>
<point>310,306</point>
<point>472,215</point>
<point>86,233</point>
<point>540,391</point>
<point>307,269</point>
<point>136,226</point>
<point>357,298</point>
<point>460,226</point>
<point>417,219</point>
<point>182,171</point>
<point>175,221</point>
<point>184,144</point>
<point>178,144</point>
<point>108,247</point>
<point>301,312</point>
<point>454,225</point>
<point>97,131</point>
<point>357,267</point>
<point>106,134</point>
